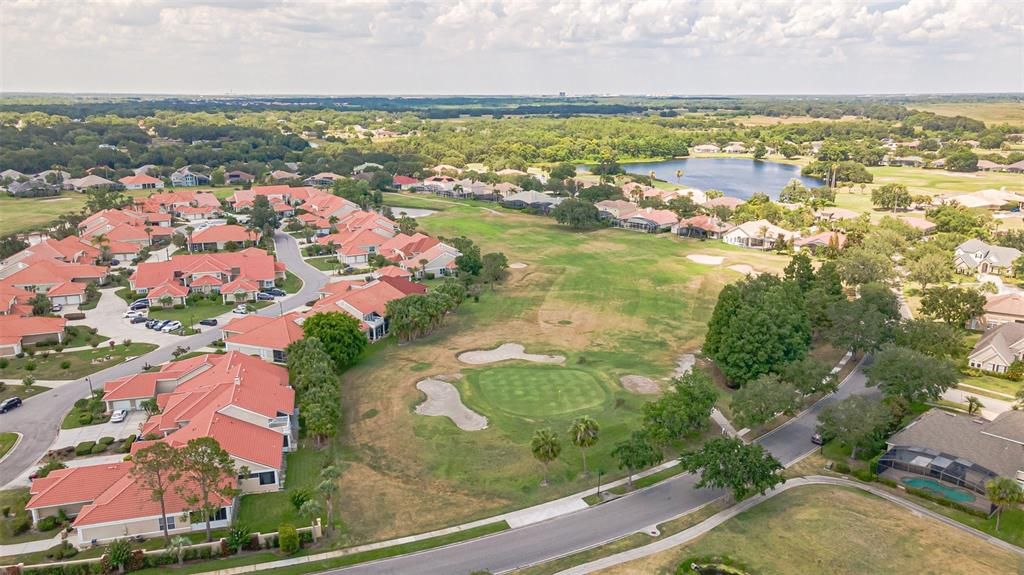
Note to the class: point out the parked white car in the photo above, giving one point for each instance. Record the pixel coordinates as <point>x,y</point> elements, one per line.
<point>173,326</point>
<point>241,309</point>
<point>136,313</point>
<point>118,415</point>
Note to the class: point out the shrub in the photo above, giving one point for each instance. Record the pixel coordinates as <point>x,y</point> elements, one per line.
<point>305,537</point>
<point>74,315</point>
<point>49,466</point>
<point>179,306</point>
<point>298,497</point>
<point>30,366</point>
<point>19,355</point>
<point>119,553</point>
<point>59,348</point>
<point>84,418</point>
<point>238,537</point>
<point>289,538</point>
<point>94,343</point>
<point>864,475</point>
<point>106,440</point>
<point>82,403</point>
<point>5,511</point>
<point>84,448</point>
<point>841,467</point>
<point>98,448</point>
<point>47,523</point>
<point>65,364</point>
<point>21,523</point>
<point>4,362</point>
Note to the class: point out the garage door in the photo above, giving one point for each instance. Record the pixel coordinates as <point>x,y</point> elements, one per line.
<point>122,404</point>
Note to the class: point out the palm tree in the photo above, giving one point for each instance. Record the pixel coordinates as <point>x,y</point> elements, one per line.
<point>974,405</point>
<point>423,267</point>
<point>103,243</point>
<point>764,237</point>
<point>583,434</point>
<point>312,508</point>
<point>1003,491</point>
<point>188,237</point>
<point>546,448</point>
<point>328,487</point>
<point>149,234</point>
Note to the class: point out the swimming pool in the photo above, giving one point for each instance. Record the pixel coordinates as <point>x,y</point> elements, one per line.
<point>951,493</point>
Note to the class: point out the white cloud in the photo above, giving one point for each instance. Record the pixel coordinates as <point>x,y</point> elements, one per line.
<point>507,46</point>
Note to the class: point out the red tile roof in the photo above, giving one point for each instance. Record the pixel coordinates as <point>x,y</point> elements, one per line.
<point>139,179</point>
<point>239,285</point>
<point>131,387</point>
<point>404,181</point>
<point>252,263</point>
<point>225,233</point>
<point>169,288</point>
<point>19,327</point>
<point>392,271</point>
<point>265,332</point>
<point>75,484</point>
<point>129,499</point>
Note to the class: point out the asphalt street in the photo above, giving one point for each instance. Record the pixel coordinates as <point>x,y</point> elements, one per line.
<point>587,528</point>
<point>38,420</point>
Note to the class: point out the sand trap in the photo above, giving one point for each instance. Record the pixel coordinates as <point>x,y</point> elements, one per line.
<point>506,352</point>
<point>684,364</point>
<point>640,384</point>
<point>443,400</point>
<point>707,260</point>
<point>743,269</point>
<point>517,265</point>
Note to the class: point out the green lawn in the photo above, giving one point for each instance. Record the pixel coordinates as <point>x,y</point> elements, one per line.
<point>535,392</point>
<point>821,529</point>
<point>79,335</point>
<point>23,214</point>
<point>14,500</point>
<point>324,263</point>
<point>7,441</point>
<point>81,363</point>
<point>266,511</point>
<point>21,391</point>
<point>292,283</point>
<point>992,383</point>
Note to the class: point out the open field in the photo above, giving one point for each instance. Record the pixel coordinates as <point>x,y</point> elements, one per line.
<point>819,529</point>
<point>24,214</point>
<point>988,112</point>
<point>613,302</point>
<point>776,120</point>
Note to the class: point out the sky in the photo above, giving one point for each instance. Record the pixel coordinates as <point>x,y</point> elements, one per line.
<point>463,47</point>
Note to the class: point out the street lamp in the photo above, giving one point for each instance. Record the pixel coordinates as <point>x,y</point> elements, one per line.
<point>599,472</point>
<point>89,381</point>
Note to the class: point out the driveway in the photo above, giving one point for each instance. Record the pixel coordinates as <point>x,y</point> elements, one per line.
<point>107,318</point>
<point>70,437</point>
<point>991,407</point>
<point>39,419</point>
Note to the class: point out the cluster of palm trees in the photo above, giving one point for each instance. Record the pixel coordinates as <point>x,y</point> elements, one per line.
<point>418,315</point>
<point>547,447</point>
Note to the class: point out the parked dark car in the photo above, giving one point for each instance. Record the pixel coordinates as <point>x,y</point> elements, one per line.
<point>264,296</point>
<point>9,404</point>
<point>276,292</point>
<point>139,319</point>
<point>115,262</point>
<point>152,323</point>
<point>210,321</point>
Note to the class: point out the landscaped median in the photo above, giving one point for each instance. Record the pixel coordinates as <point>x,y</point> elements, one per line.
<point>7,441</point>
<point>71,365</point>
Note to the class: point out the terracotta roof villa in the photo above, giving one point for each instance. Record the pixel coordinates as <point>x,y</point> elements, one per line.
<point>16,331</point>
<point>265,337</point>
<point>213,238</point>
<point>367,301</point>
<point>208,272</point>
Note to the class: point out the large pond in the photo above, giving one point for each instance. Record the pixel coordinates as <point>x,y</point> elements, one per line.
<point>737,177</point>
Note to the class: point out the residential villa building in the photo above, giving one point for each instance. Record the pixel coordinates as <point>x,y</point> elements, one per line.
<point>830,240</point>
<point>366,301</point>
<point>707,149</point>
<point>215,238</point>
<point>998,348</point>
<point>976,256</point>
<point>262,336</point>
<point>702,226</point>
<point>187,178</point>
<point>16,332</point>
<point>1000,309</point>
<point>241,401</point>
<point>246,271</point>
<point>142,182</point>
<point>322,180</point>
<point>760,234</point>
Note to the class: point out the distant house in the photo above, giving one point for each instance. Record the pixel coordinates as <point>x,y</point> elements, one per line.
<point>724,201</point>
<point>735,148</point>
<point>760,234</point>
<point>822,240</point>
<point>531,199</point>
<point>990,166</point>
<point>278,176</point>
<point>322,180</point>
<point>920,224</point>
<point>649,220</point>
<point>707,149</point>
<point>1016,167</point>
<point>702,226</point>
<point>833,214</point>
<point>206,273</point>
<point>404,182</point>
<point>906,161</point>
<point>975,256</point>
<point>186,178</point>
<point>142,182</point>
<point>35,188</point>
<point>213,238</point>
<point>1000,309</point>
<point>367,167</point>
<point>89,182</point>
<point>238,177</point>
<point>439,184</point>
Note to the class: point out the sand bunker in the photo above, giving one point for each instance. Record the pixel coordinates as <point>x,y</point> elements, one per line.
<point>704,259</point>
<point>640,384</point>
<point>517,265</point>
<point>443,400</point>
<point>506,352</point>
<point>743,269</point>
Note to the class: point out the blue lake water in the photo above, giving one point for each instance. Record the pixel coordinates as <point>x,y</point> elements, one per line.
<point>737,177</point>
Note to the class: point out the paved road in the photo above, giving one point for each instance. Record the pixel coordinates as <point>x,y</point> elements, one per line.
<point>39,418</point>
<point>596,525</point>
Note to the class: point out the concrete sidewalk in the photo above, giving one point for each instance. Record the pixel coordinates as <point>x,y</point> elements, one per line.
<point>29,546</point>
<point>721,517</point>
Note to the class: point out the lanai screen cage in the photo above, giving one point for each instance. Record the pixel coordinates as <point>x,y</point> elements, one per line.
<point>932,463</point>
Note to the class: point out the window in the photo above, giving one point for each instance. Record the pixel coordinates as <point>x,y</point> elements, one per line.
<point>268,478</point>
<point>170,523</point>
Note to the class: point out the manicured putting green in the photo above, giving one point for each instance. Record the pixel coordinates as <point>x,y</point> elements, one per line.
<point>539,391</point>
